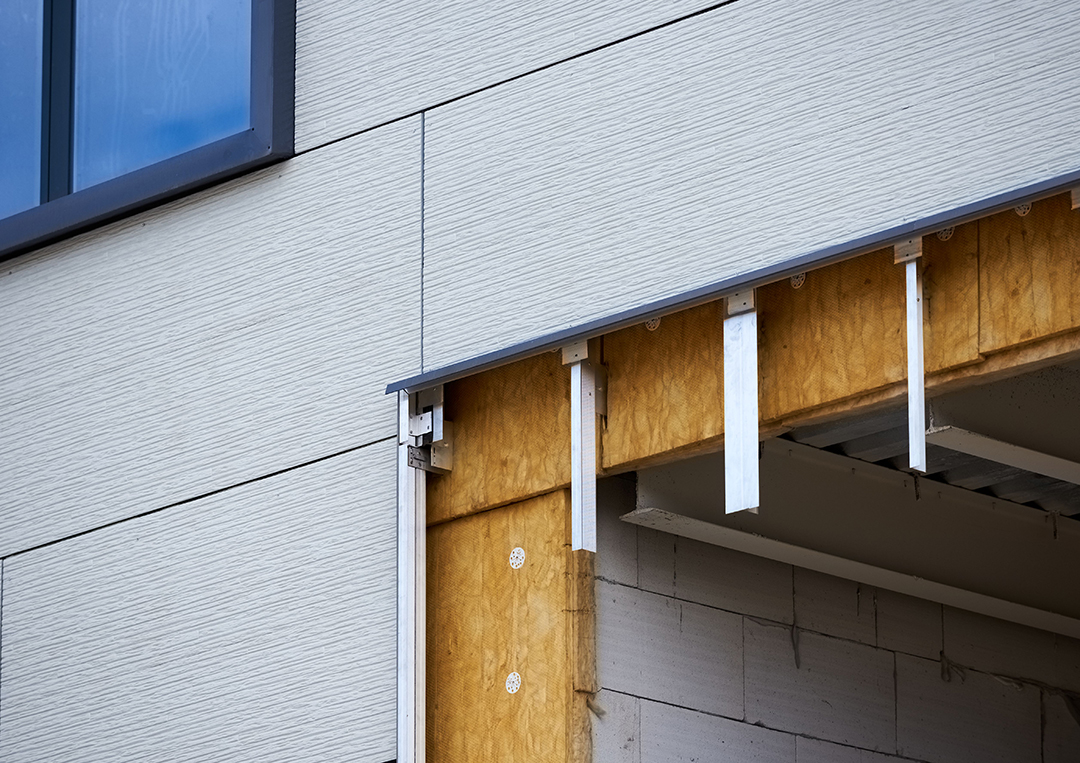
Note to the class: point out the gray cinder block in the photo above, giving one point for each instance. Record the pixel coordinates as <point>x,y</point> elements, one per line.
<point>674,735</point>
<point>835,606</point>
<point>617,733</point>
<point>907,624</point>
<point>732,580</point>
<point>659,648</point>
<point>972,718</point>
<point>842,691</point>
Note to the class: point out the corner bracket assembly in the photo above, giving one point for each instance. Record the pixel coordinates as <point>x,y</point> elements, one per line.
<point>431,445</point>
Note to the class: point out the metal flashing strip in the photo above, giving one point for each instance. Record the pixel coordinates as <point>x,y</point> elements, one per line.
<point>752,279</point>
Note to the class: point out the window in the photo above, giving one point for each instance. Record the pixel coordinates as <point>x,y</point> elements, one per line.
<point>110,106</point>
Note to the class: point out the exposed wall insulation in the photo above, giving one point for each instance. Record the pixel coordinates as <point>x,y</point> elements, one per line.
<point>1029,274</point>
<point>665,385</point>
<point>950,270</point>
<point>493,613</point>
<point>511,437</point>
<point>841,332</point>
<point>837,341</point>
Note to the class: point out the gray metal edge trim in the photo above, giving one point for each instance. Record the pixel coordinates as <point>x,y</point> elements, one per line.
<point>753,279</point>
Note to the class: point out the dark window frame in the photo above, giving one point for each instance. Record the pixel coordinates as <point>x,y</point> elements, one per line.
<point>64,213</point>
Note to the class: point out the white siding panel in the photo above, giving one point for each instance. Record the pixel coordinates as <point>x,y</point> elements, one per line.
<point>253,625</point>
<point>359,65</point>
<point>219,338</point>
<point>727,142</point>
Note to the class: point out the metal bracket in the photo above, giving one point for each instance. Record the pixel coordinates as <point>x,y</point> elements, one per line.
<point>739,302</point>
<point>431,447</point>
<point>907,250</point>
<point>600,377</point>
<point>1076,198</point>
<point>576,352</point>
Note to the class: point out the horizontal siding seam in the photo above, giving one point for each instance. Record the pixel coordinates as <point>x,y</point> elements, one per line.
<point>193,499</point>
<point>522,75</point>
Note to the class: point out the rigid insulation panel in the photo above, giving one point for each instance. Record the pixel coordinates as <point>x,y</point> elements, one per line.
<point>253,625</point>
<point>734,140</point>
<point>504,651</point>
<point>220,338</point>
<point>359,68</point>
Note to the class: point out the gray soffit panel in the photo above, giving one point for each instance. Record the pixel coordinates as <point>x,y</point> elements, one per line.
<point>752,279</point>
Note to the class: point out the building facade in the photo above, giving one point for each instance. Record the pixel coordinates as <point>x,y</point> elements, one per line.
<point>200,464</point>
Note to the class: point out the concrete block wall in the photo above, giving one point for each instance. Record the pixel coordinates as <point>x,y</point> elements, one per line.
<point>709,654</point>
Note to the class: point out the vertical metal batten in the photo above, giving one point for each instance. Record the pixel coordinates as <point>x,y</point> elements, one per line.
<point>412,594</point>
<point>915,370</point>
<point>583,455</point>
<point>741,479</point>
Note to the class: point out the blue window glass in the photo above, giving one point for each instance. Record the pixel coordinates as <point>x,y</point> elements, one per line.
<point>20,105</point>
<point>156,78</point>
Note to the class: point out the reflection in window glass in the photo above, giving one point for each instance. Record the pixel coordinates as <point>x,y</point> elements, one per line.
<point>20,105</point>
<point>156,78</point>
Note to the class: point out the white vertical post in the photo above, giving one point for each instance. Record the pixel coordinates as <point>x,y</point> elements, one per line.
<point>582,446</point>
<point>910,253</point>
<point>741,479</point>
<point>412,594</point>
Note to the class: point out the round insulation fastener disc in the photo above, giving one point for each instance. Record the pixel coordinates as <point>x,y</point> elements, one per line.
<point>517,558</point>
<point>513,683</point>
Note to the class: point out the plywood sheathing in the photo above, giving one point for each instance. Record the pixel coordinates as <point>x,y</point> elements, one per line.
<point>1029,274</point>
<point>487,620</point>
<point>665,387</point>
<point>511,437</point>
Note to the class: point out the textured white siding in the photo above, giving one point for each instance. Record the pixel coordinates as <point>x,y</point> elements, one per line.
<point>240,331</point>
<point>254,625</point>
<point>733,140</point>
<point>361,64</point>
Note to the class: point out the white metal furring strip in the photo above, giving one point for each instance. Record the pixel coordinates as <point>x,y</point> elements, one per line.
<point>741,468</point>
<point>583,455</point>
<point>915,367</point>
<point>411,595</point>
